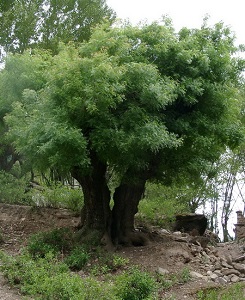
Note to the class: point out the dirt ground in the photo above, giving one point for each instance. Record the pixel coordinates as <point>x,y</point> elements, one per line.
<point>164,252</point>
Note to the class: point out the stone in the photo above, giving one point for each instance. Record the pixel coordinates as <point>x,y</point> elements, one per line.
<point>235,279</point>
<point>213,276</point>
<point>239,267</point>
<point>221,280</point>
<point>225,264</point>
<point>162,271</point>
<point>195,224</point>
<point>230,272</point>
<point>194,274</point>
<point>228,259</point>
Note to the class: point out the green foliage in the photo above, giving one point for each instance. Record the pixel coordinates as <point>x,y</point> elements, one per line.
<point>161,204</point>
<point>46,278</point>
<point>44,24</point>
<point>55,241</point>
<point>167,281</point>
<point>58,196</point>
<point>12,189</point>
<point>235,291</point>
<point>135,285</point>
<point>77,258</point>
<point>104,263</point>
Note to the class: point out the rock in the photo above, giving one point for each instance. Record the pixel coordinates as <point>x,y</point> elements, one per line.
<point>221,280</point>
<point>191,223</point>
<point>177,233</point>
<point>194,274</point>
<point>164,231</point>
<point>239,267</point>
<point>228,259</point>
<point>230,272</point>
<point>200,240</point>
<point>235,279</point>
<point>162,271</point>
<point>213,276</point>
<point>225,264</point>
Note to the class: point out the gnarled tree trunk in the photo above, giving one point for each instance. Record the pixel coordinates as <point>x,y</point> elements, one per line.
<point>126,200</point>
<point>96,213</point>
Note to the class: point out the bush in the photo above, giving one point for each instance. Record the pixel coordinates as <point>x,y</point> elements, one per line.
<point>160,205</point>
<point>135,285</point>
<point>12,189</point>
<point>59,196</point>
<point>57,240</point>
<point>77,259</point>
<point>47,279</point>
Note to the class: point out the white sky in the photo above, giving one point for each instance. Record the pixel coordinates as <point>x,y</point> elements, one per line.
<point>189,13</point>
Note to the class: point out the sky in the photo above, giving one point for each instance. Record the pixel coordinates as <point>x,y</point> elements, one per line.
<point>184,13</point>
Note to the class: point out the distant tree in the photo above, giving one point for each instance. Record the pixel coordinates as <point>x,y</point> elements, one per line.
<point>144,101</point>
<point>26,24</point>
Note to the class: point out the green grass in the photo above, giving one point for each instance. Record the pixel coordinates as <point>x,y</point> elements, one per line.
<point>232,292</point>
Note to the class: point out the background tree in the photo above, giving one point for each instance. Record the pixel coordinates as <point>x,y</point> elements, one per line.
<point>26,24</point>
<point>150,103</point>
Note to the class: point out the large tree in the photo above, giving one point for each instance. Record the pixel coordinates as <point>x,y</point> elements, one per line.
<point>143,101</point>
<point>26,24</point>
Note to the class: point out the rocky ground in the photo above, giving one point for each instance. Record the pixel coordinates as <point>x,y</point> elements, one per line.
<point>210,264</point>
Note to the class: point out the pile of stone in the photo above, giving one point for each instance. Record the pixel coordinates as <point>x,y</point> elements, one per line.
<point>220,269</point>
<point>206,261</point>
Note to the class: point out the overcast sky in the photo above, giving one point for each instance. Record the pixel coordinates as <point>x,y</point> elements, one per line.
<point>189,13</point>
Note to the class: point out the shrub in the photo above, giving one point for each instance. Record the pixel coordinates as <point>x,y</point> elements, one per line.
<point>12,189</point>
<point>59,196</point>
<point>54,241</point>
<point>135,285</point>
<point>47,279</point>
<point>160,205</point>
<point>77,258</point>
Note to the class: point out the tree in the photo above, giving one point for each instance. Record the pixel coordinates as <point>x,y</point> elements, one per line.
<point>44,23</point>
<point>28,24</point>
<point>144,101</point>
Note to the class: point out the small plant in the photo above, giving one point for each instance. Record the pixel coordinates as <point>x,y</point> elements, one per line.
<point>46,278</point>
<point>57,240</point>
<point>232,292</point>
<point>135,285</point>
<point>185,276</point>
<point>119,262</point>
<point>77,259</point>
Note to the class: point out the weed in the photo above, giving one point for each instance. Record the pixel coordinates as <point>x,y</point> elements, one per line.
<point>135,285</point>
<point>232,292</point>
<point>54,241</point>
<point>77,258</point>
<point>184,275</point>
<point>119,262</point>
<point>46,278</point>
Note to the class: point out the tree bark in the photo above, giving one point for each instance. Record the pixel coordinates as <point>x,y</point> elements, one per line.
<point>126,200</point>
<point>95,215</point>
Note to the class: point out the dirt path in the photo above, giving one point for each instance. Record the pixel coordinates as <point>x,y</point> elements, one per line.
<point>6,293</point>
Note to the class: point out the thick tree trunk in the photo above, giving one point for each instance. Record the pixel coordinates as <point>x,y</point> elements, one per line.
<point>126,200</point>
<point>95,215</point>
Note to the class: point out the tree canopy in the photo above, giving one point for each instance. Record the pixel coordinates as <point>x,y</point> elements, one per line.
<point>27,23</point>
<point>143,101</point>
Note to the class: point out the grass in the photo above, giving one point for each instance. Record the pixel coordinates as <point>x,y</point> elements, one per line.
<point>232,292</point>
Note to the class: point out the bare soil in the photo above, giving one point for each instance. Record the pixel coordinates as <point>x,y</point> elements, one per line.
<point>164,251</point>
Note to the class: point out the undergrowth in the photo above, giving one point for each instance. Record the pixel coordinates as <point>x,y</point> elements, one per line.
<point>233,292</point>
<point>49,269</point>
